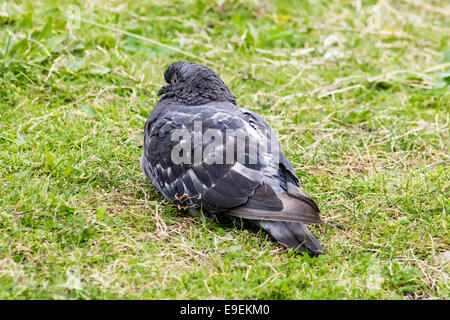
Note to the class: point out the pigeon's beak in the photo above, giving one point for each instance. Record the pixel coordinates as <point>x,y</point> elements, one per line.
<point>163,89</point>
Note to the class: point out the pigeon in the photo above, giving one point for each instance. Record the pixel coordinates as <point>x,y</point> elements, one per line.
<point>213,158</point>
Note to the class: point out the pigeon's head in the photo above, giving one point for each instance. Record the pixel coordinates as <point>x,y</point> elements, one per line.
<point>194,84</point>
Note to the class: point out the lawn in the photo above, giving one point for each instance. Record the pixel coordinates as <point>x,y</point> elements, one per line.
<point>358,92</point>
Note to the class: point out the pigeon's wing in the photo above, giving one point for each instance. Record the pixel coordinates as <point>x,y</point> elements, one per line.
<point>296,201</point>
<point>242,187</point>
<point>199,181</point>
<point>290,182</point>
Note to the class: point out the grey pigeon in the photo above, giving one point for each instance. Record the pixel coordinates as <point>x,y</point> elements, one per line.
<point>226,178</point>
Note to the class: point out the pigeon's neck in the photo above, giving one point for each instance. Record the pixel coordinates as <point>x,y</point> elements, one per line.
<point>198,95</point>
<point>196,100</point>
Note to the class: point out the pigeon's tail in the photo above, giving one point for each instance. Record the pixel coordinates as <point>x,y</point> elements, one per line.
<point>293,235</point>
<point>282,216</point>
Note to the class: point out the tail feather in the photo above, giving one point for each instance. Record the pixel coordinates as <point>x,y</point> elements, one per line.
<point>282,216</point>
<point>292,235</point>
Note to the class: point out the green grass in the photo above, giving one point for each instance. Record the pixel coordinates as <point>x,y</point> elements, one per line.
<point>367,132</point>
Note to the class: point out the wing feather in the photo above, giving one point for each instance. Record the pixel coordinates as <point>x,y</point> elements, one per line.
<point>246,191</point>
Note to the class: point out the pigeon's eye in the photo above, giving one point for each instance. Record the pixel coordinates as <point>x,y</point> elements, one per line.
<point>174,80</point>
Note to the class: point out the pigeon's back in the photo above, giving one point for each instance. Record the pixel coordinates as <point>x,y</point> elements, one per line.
<point>226,161</point>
